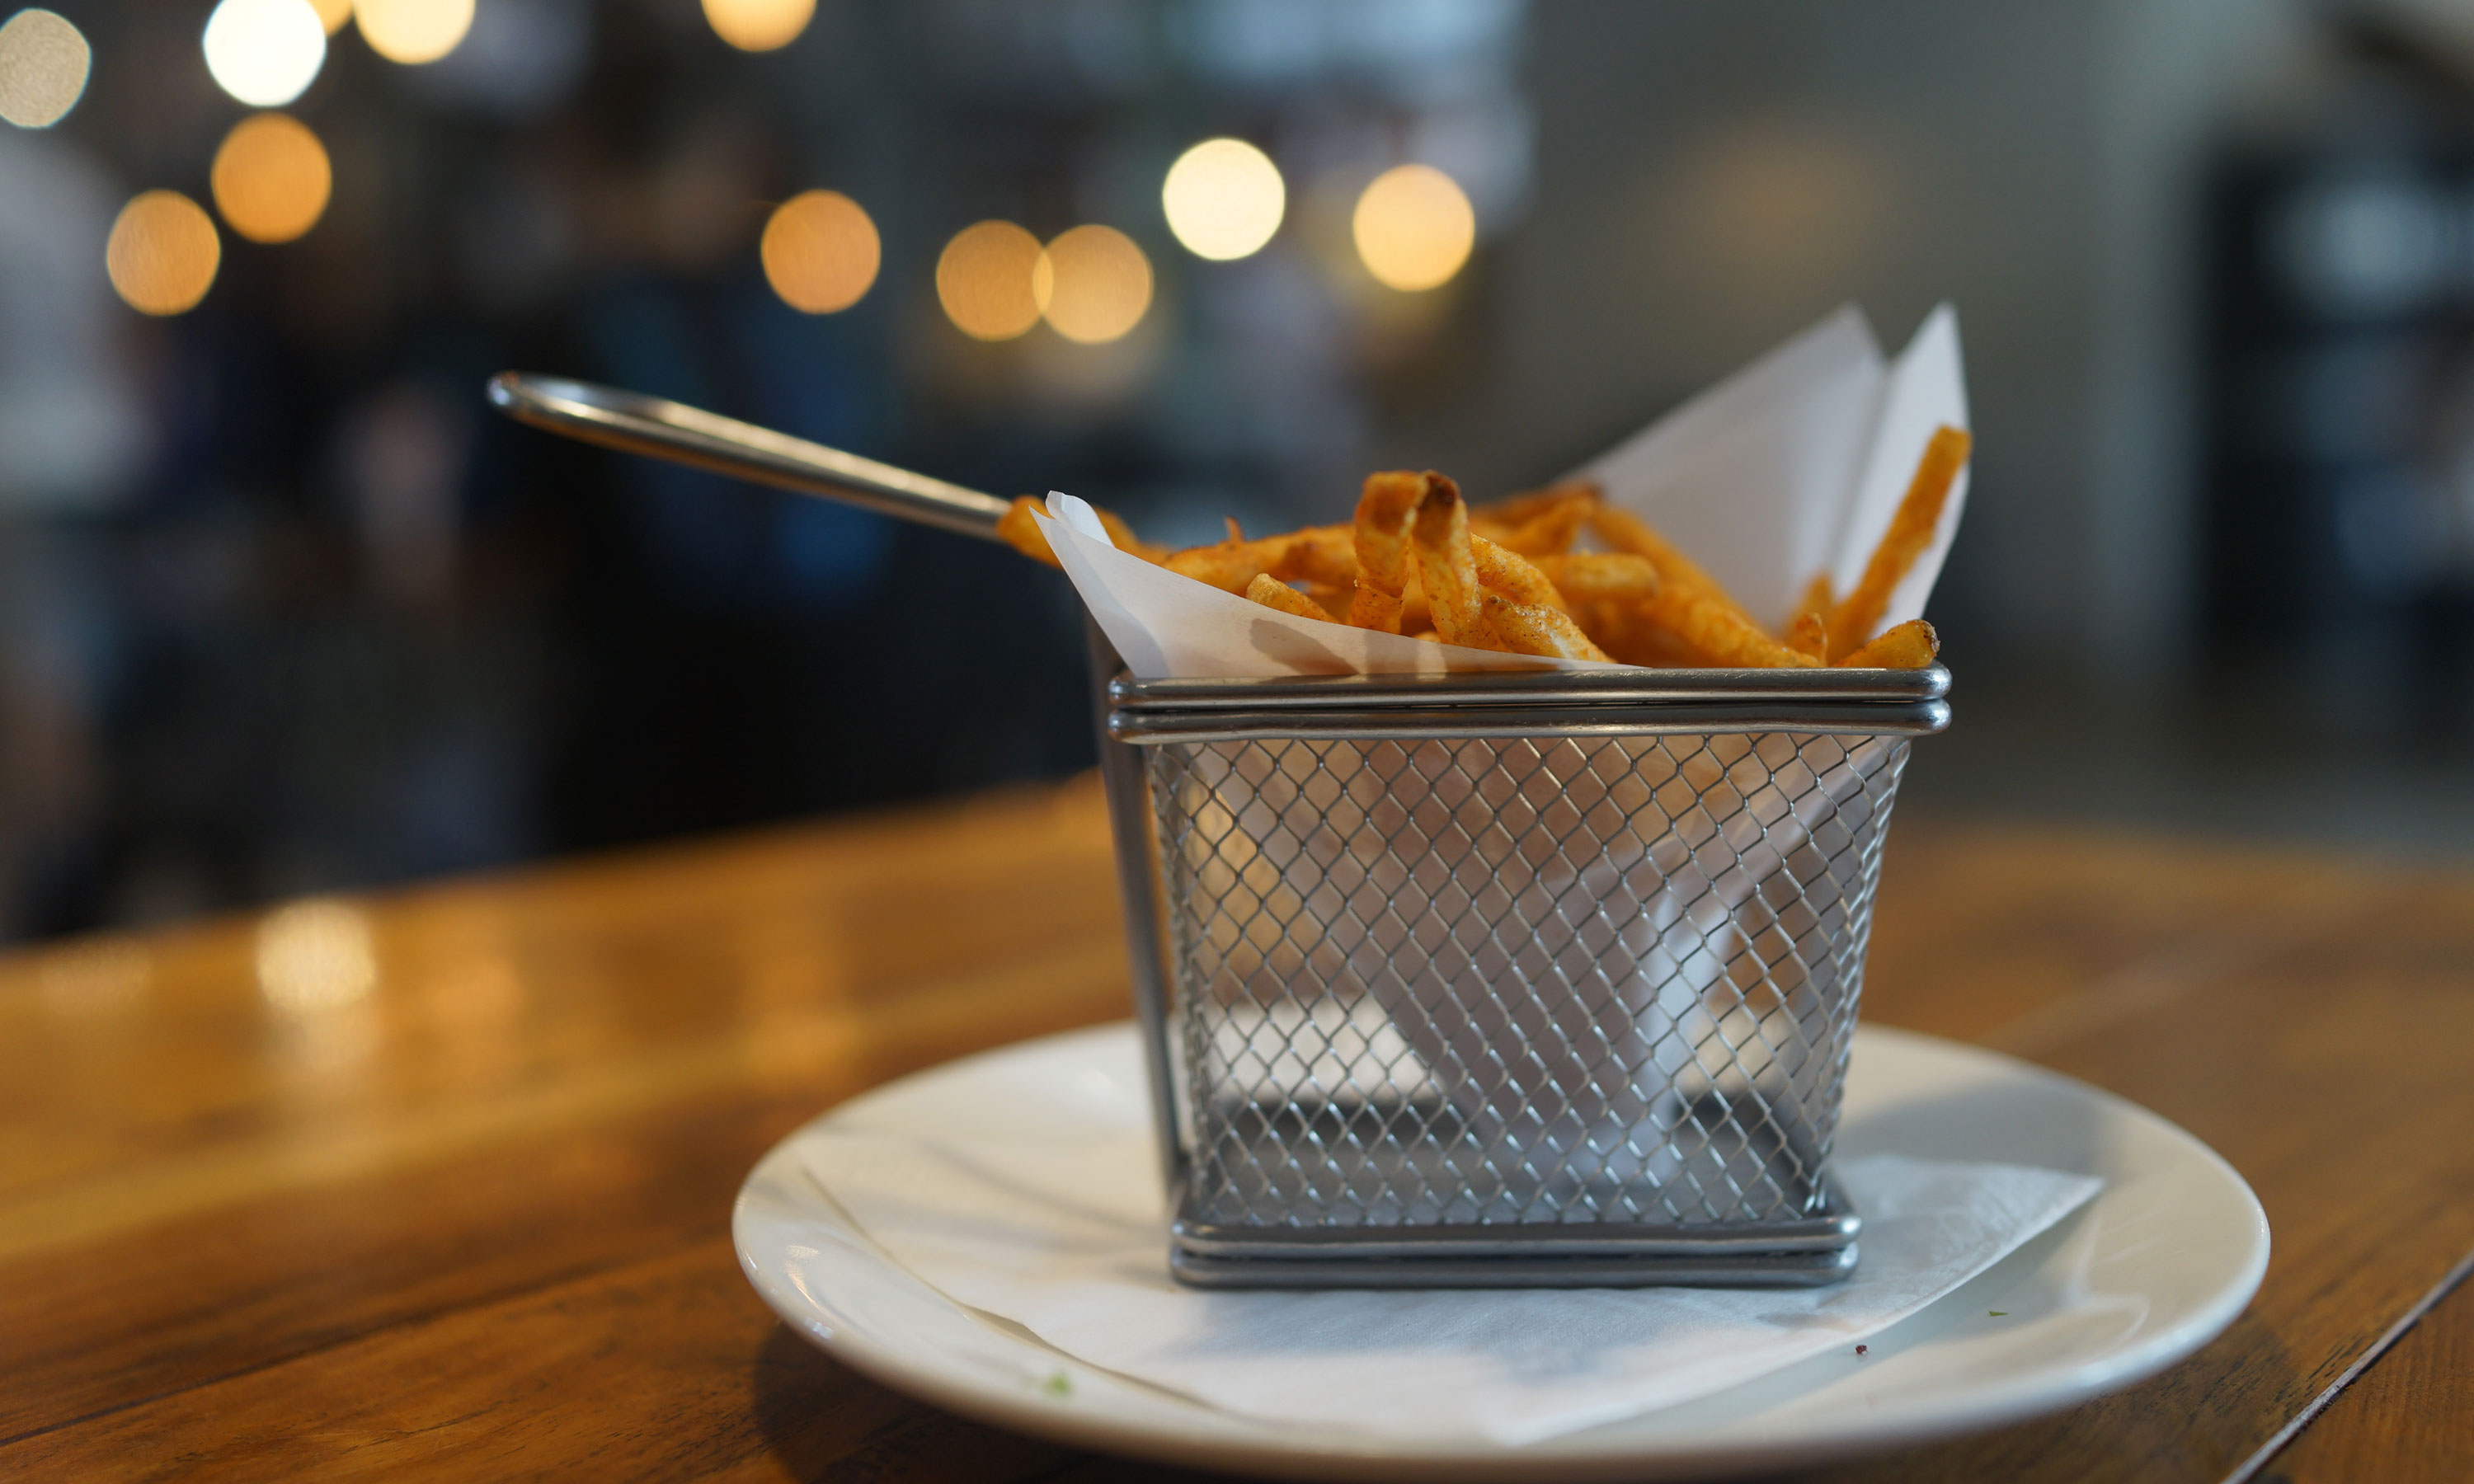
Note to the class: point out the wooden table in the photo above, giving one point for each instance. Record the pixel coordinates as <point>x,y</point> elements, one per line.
<point>438,1184</point>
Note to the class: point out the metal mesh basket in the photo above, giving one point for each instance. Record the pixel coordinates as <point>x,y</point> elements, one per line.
<point>1541,978</point>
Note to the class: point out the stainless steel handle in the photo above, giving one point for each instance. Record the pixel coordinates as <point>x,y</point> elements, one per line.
<point>688,435</point>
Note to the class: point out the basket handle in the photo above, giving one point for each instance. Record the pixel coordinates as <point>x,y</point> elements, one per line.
<point>636,424</point>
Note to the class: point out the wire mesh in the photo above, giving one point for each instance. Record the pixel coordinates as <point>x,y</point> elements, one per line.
<point>1512,983</point>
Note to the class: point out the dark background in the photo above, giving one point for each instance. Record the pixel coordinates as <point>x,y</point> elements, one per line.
<point>284,609</point>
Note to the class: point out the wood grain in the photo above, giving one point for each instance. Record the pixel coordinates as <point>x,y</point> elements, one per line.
<point>2409,1417</point>
<point>473,1222</point>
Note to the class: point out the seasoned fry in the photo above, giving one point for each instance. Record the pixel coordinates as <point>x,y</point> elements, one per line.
<point>1271,592</point>
<point>1625,531</point>
<point>1323,554</point>
<point>1022,533</point>
<point>1809,634</point>
<point>1419,560</point>
<point>1720,634</point>
<point>1818,597</point>
<point>1440,538</point>
<point>1911,529</point>
<point>1589,577</point>
<point>1908,646</point>
<point>1547,529</point>
<point>1229,566</point>
<point>1385,510</point>
<point>1534,628</point>
<point>1502,570</point>
<point>1520,509</point>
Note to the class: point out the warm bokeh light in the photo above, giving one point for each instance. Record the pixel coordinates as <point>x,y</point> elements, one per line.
<point>332,14</point>
<point>413,32</point>
<point>271,179</point>
<point>163,253</point>
<point>43,64</point>
<point>1224,198</point>
<point>1093,284</point>
<point>265,52</point>
<point>820,251</point>
<point>758,25</point>
<point>984,279</point>
<point>313,955</point>
<point>1414,228</point>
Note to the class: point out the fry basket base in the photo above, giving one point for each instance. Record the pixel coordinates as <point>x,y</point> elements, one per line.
<point>1808,1253</point>
<point>1741,1270</point>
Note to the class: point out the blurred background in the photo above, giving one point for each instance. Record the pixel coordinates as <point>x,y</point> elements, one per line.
<point>284,609</point>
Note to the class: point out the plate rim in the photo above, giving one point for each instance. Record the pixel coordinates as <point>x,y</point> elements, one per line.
<point>1223,1441</point>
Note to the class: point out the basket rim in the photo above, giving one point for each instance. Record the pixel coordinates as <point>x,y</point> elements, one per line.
<point>1589,703</point>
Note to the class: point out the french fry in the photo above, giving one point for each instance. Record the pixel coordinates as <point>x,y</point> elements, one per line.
<point>1547,529</point>
<point>1440,538</point>
<point>1809,634</point>
<point>1591,577</point>
<point>1520,509</point>
<point>1271,592</point>
<point>1332,600</point>
<point>1908,646</point>
<point>1022,533</point>
<point>1625,531</point>
<point>1911,529</point>
<point>1502,570</point>
<point>1719,634</point>
<point>1230,565</point>
<point>1818,597</point>
<point>1534,628</point>
<point>1321,554</point>
<point>1380,539</point>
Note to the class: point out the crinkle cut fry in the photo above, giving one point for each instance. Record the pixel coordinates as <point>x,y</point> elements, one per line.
<point>1438,535</point>
<point>1271,592</point>
<point>1534,628</point>
<point>1911,529</point>
<point>1908,646</point>
<point>1385,511</point>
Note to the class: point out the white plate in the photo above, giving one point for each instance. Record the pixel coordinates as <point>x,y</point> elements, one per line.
<point>2152,1269</point>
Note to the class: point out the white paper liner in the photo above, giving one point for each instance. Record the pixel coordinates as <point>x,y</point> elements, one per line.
<point>1057,1230</point>
<point>1792,465</point>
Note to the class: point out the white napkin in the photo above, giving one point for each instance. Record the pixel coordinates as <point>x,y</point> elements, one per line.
<point>1063,1234</point>
<point>1792,465</point>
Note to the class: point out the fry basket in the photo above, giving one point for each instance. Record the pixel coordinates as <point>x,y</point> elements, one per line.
<point>1533,979</point>
<point>1541,978</point>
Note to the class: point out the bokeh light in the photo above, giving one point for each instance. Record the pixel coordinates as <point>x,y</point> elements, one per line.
<point>1224,198</point>
<point>820,251</point>
<point>1092,283</point>
<point>43,64</point>
<point>265,52</point>
<point>984,279</point>
<point>163,253</point>
<point>413,32</point>
<point>314,955</point>
<point>271,179</point>
<point>758,25</point>
<point>332,14</point>
<point>1414,228</point>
